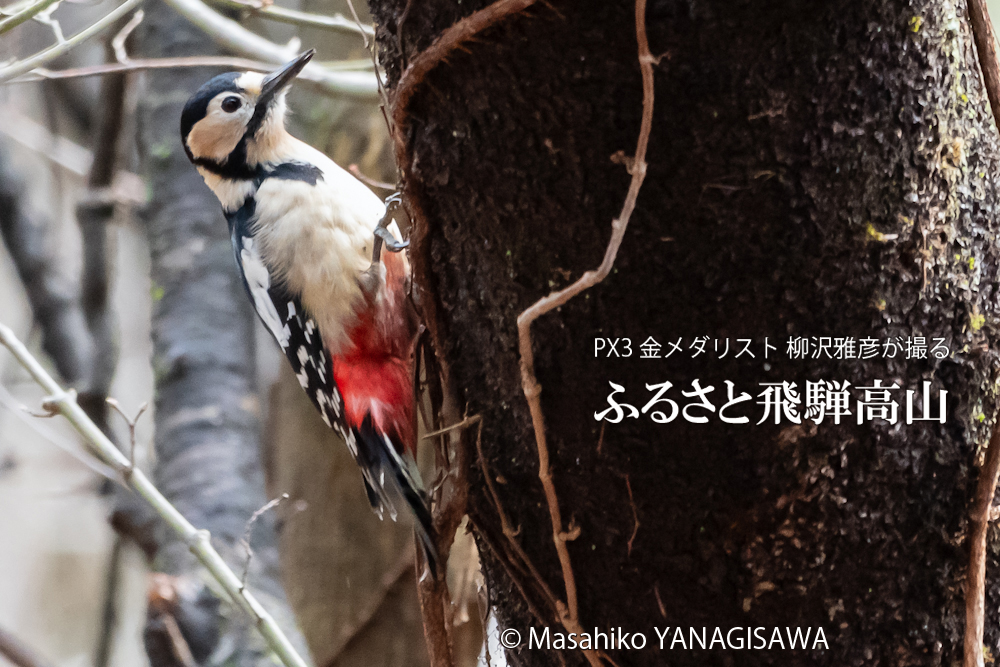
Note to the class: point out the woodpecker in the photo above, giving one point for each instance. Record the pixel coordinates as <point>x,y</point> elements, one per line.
<point>302,232</point>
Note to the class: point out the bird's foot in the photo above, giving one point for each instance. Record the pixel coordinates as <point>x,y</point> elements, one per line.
<point>382,233</point>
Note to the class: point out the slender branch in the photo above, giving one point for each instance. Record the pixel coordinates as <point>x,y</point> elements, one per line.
<point>198,541</point>
<point>93,214</point>
<point>370,45</point>
<point>131,423</point>
<point>19,654</point>
<point>975,580</point>
<point>23,66</point>
<point>235,37</point>
<point>468,421</point>
<point>117,45</point>
<point>25,14</point>
<point>178,644</point>
<point>336,23</point>
<point>22,412</point>
<point>508,530</point>
<point>140,64</point>
<point>635,514</point>
<point>979,515</point>
<point>109,611</point>
<point>357,22</point>
<point>986,46</point>
<point>449,502</point>
<point>93,217</point>
<point>248,534</point>
<point>532,389</point>
<point>371,182</point>
<point>431,57</point>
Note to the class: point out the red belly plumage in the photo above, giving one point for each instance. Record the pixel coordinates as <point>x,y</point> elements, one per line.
<point>373,374</point>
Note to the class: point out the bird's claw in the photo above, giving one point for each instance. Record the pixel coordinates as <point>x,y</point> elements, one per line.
<point>382,233</point>
<point>391,244</point>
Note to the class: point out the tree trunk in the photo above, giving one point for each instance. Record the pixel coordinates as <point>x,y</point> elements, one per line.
<point>815,170</point>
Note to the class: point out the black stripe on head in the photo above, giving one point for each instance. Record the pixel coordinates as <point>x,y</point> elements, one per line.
<point>235,167</point>
<point>197,106</point>
<point>259,115</point>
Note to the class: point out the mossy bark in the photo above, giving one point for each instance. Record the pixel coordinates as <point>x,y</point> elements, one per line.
<point>815,169</point>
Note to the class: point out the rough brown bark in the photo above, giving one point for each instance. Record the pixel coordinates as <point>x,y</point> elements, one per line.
<point>814,170</point>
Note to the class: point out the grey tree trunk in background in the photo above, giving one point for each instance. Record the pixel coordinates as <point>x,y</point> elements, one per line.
<point>349,576</point>
<point>815,170</point>
<point>208,460</point>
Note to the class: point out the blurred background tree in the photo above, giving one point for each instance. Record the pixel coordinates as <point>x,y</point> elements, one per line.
<point>119,271</point>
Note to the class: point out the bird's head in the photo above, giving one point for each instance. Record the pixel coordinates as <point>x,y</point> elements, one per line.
<point>236,121</point>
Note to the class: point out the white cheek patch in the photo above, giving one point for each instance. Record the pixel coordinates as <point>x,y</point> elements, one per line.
<point>259,280</point>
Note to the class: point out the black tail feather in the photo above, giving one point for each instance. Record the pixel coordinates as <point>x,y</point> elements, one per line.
<point>391,480</point>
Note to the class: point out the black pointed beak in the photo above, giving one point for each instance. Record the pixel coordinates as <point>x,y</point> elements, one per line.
<point>279,79</point>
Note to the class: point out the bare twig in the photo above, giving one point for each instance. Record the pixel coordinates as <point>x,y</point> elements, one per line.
<point>659,600</point>
<point>118,41</point>
<point>378,76</point>
<point>25,14</point>
<point>465,423</point>
<point>178,644</point>
<point>109,612</point>
<point>435,610</point>
<point>367,180</point>
<point>45,17</point>
<point>357,22</point>
<point>508,530</point>
<point>508,563</point>
<point>248,533</point>
<point>141,64</point>
<point>449,506</point>
<point>986,46</point>
<point>432,56</point>
<point>131,428</point>
<point>19,654</point>
<point>22,412</point>
<point>335,23</point>
<point>22,66</point>
<point>975,583</point>
<point>198,541</point>
<point>233,36</point>
<point>532,390</point>
<point>635,514</point>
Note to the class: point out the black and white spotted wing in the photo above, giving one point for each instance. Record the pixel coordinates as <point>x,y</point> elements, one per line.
<point>293,329</point>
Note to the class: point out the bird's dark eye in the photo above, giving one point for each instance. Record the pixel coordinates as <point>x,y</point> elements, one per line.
<point>231,104</point>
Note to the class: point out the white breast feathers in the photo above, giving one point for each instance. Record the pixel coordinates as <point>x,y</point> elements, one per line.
<point>318,239</point>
